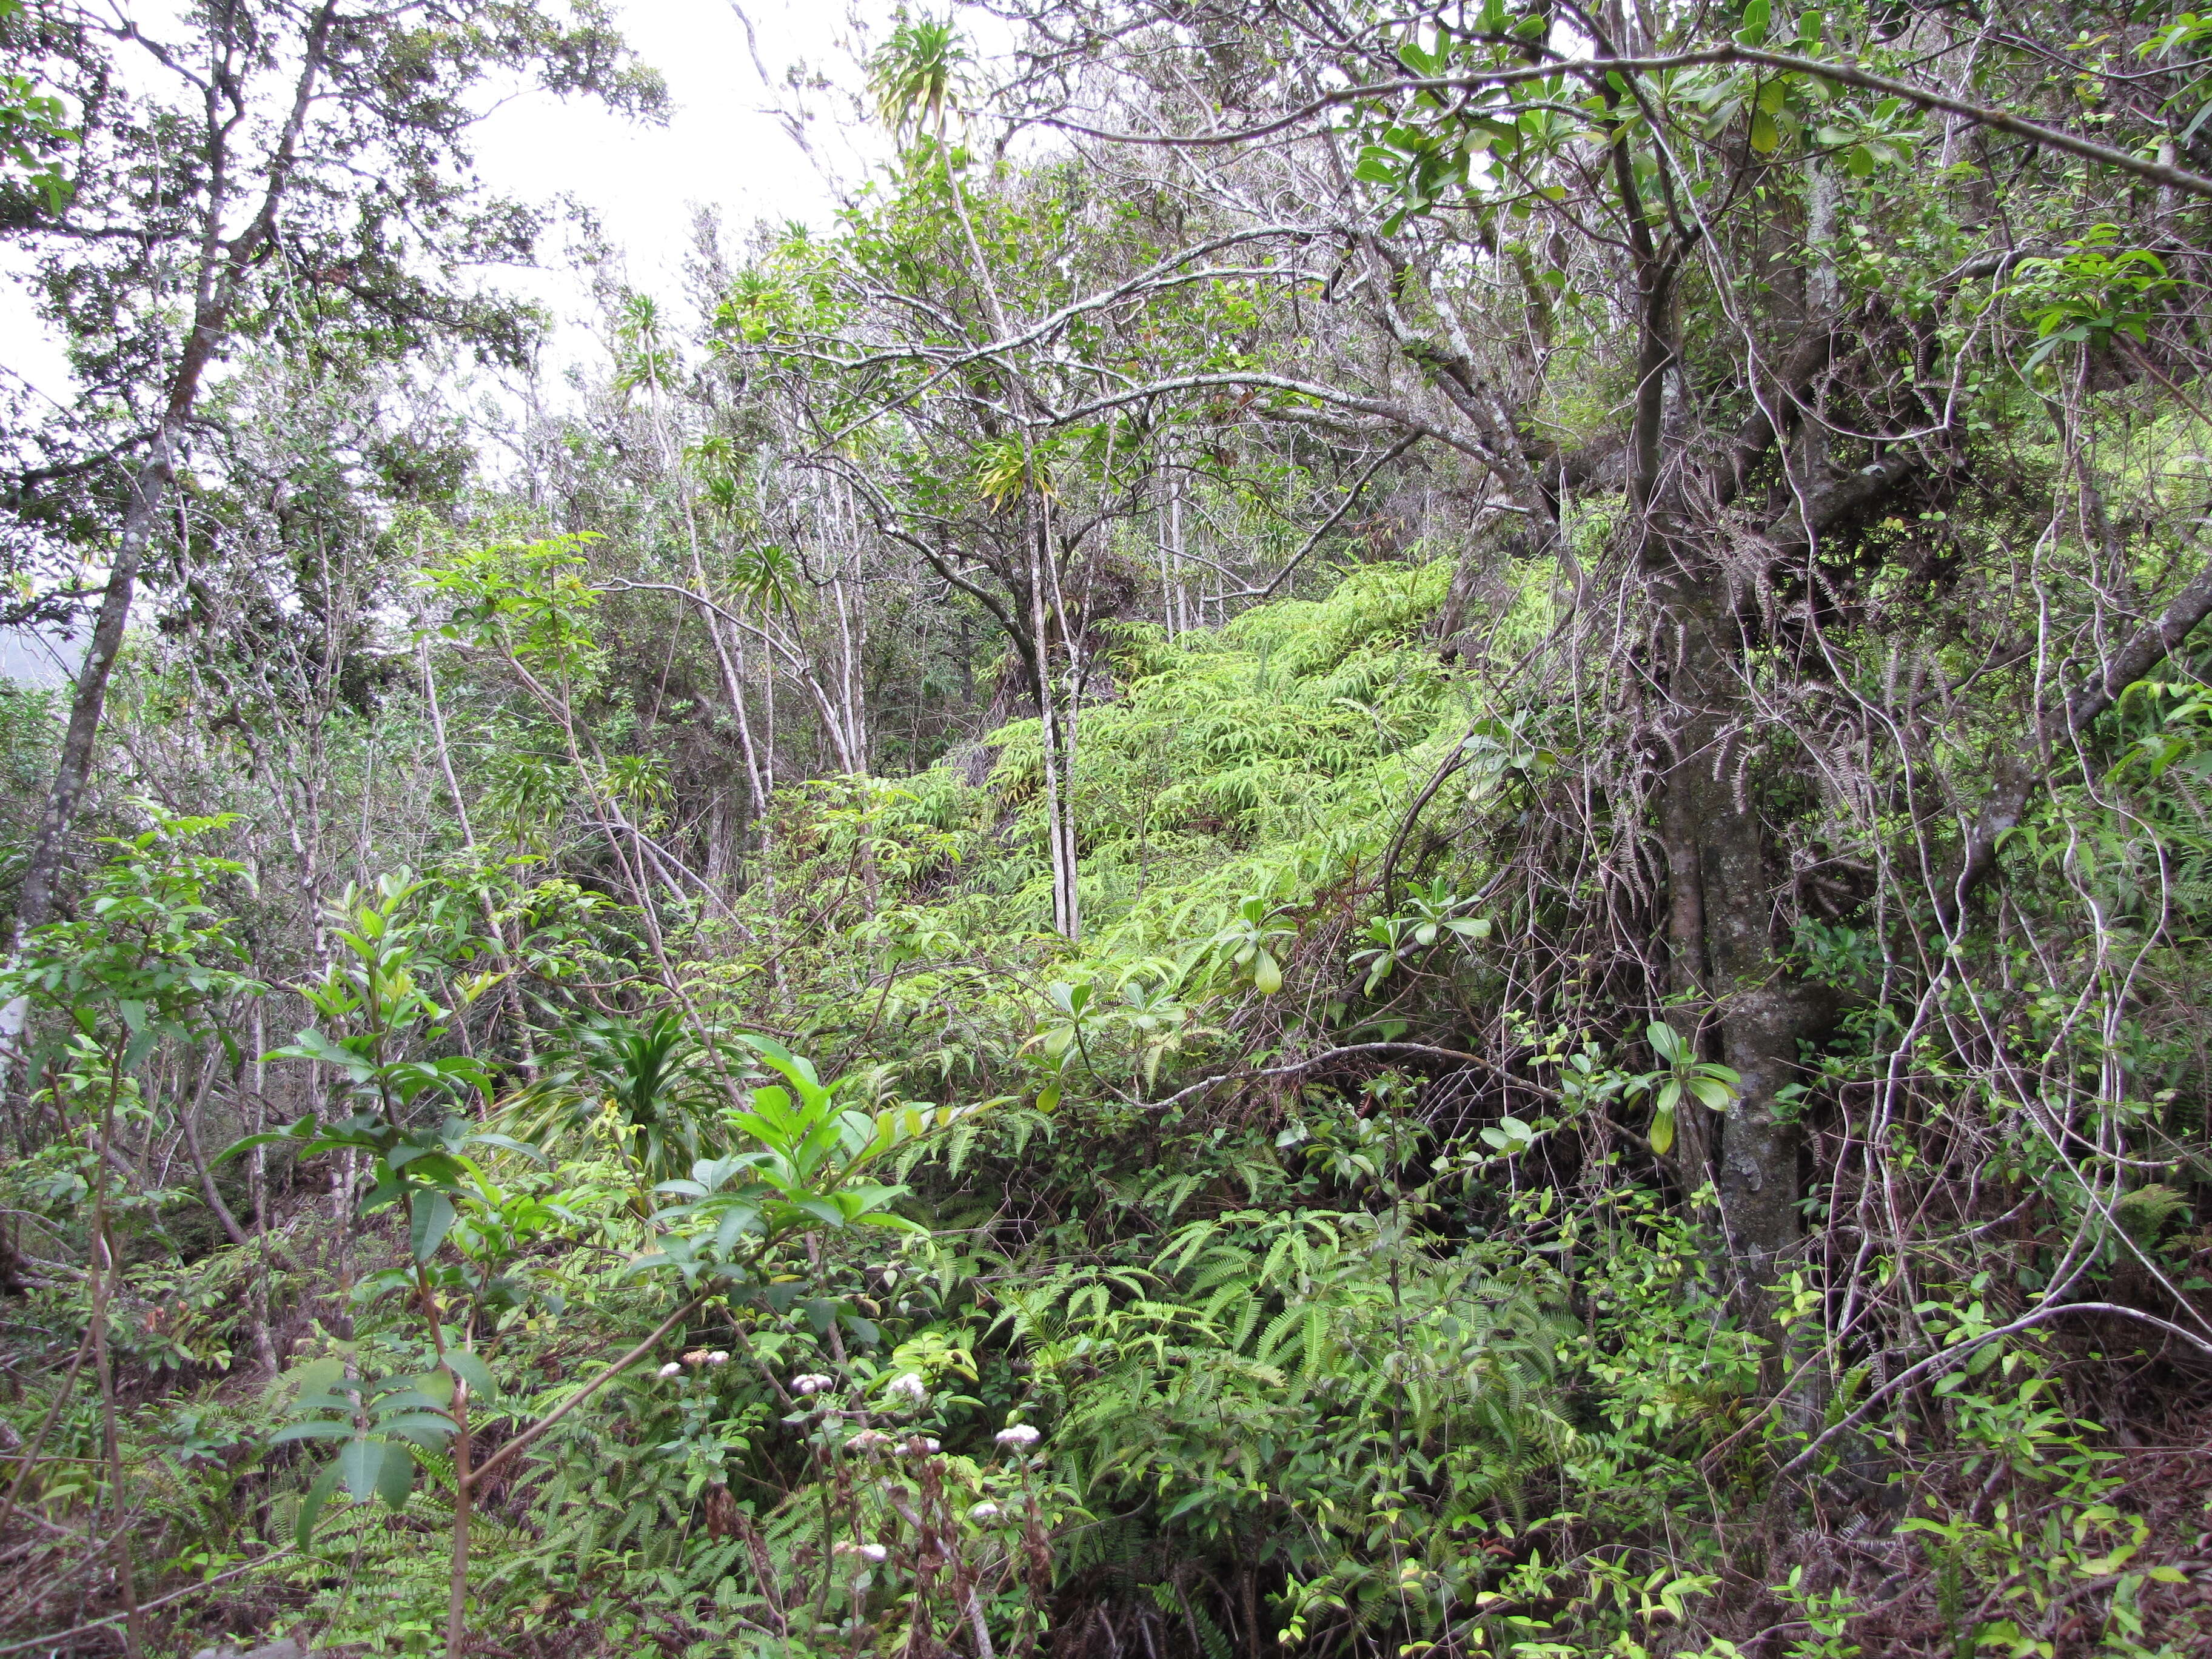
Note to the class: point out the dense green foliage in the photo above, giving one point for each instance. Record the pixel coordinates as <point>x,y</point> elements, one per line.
<point>1425,876</point>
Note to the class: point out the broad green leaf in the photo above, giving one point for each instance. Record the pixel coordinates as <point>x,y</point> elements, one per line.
<point>430,1219</point>
<point>428,1429</point>
<point>472,1371</point>
<point>1712,1093</point>
<point>509,1143</point>
<point>361,1466</point>
<point>395,1477</point>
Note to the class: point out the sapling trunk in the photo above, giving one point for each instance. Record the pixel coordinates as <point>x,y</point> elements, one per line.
<point>457,1599</point>
<point>457,1580</point>
<point>103,1268</point>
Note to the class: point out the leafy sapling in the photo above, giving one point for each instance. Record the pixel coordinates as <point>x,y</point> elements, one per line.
<point>1680,1076</point>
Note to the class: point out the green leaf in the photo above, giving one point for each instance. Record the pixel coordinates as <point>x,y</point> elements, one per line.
<point>885,1218</point>
<point>321,1430</point>
<point>1190,1502</point>
<point>420,1427</point>
<point>361,1466</point>
<point>1267,973</point>
<point>509,1143</point>
<point>300,1130</point>
<point>471,1370</point>
<point>317,1374</point>
<point>312,1044</point>
<point>430,1218</point>
<point>739,1220</point>
<point>395,1478</point>
<point>1712,1093</point>
<point>140,1046</point>
<point>1756,17</point>
<point>1662,1133</point>
<point>311,1506</point>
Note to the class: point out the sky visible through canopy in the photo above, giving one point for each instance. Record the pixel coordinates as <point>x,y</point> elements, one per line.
<point>728,145</point>
<point>760,128</point>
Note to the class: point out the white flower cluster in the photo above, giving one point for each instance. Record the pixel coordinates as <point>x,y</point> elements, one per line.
<point>808,1382</point>
<point>871,1553</point>
<point>1018,1437</point>
<point>908,1387</point>
<point>868,1440</point>
<point>984,1512</point>
<point>916,1447</point>
<point>696,1356</point>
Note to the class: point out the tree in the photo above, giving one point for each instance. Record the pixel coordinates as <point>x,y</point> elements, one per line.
<point>301,176</point>
<point>1782,423</point>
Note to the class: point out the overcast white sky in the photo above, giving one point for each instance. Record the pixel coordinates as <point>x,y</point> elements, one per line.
<point>726,144</point>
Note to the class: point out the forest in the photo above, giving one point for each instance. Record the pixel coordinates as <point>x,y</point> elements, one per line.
<point>1378,833</point>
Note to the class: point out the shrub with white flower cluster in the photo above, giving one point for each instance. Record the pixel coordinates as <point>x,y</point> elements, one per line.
<point>1020,1436</point>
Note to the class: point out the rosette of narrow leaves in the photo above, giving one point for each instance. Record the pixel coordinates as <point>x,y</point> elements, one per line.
<point>1435,914</point>
<point>654,1076</point>
<point>1682,1076</point>
<point>1251,938</point>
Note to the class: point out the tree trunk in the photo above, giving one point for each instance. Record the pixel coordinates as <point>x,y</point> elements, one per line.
<point>222,267</point>
<point>1724,874</point>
